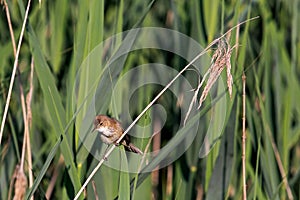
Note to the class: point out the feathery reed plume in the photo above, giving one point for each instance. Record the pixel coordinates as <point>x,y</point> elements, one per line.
<point>220,60</point>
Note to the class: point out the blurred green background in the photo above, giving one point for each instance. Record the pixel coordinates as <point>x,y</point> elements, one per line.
<point>60,34</point>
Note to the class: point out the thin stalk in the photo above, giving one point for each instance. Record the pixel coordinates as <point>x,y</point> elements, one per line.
<point>12,79</point>
<point>244,139</point>
<point>26,114</point>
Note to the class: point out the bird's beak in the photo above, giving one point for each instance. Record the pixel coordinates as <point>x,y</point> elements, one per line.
<point>93,129</point>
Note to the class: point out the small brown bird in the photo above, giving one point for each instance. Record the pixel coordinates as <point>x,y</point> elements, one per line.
<point>111,130</point>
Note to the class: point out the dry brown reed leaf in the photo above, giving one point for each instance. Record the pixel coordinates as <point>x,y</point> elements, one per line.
<point>20,184</point>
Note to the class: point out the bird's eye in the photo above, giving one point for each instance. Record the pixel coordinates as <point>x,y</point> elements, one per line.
<point>101,123</point>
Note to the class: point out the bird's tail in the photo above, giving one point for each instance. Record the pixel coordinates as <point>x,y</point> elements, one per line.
<point>130,147</point>
<point>134,149</point>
